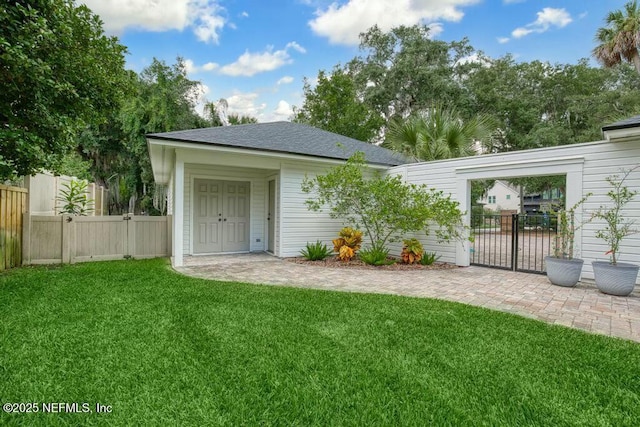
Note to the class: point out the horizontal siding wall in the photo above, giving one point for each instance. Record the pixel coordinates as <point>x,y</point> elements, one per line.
<point>433,178</point>
<point>298,224</point>
<point>257,178</point>
<point>598,160</point>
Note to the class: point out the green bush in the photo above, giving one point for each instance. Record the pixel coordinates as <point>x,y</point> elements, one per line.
<point>74,198</point>
<point>316,251</point>
<point>429,258</point>
<point>477,216</point>
<point>377,254</point>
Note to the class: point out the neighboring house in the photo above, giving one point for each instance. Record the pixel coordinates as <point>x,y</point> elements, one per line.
<point>238,188</point>
<point>502,197</point>
<point>546,201</point>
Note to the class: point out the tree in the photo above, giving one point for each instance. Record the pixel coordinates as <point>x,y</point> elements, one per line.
<point>241,119</point>
<point>620,38</point>
<point>438,133</point>
<point>58,73</point>
<point>383,206</point>
<point>162,99</point>
<point>334,105</point>
<point>404,71</point>
<point>536,104</point>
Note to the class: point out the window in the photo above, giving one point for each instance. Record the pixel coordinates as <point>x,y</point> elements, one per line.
<point>492,200</point>
<point>508,196</point>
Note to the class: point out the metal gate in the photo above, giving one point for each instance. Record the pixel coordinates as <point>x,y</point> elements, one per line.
<point>517,242</point>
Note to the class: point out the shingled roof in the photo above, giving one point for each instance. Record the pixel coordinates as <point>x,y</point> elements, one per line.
<point>285,137</point>
<point>631,122</point>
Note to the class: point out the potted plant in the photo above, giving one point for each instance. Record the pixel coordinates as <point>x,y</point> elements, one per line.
<point>613,277</point>
<point>562,268</point>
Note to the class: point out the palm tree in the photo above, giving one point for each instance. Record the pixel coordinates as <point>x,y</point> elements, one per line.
<point>437,134</point>
<point>620,38</point>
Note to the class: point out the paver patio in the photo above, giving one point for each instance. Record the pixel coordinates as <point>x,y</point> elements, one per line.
<point>529,295</point>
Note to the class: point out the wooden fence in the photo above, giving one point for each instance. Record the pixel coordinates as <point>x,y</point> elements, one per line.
<point>70,239</point>
<point>13,201</point>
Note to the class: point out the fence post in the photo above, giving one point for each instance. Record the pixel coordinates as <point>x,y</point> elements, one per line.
<point>130,250</point>
<point>67,238</point>
<point>26,238</point>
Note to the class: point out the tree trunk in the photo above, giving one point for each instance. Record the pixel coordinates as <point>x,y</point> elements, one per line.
<point>636,61</point>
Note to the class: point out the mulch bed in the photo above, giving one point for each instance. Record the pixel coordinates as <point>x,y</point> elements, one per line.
<point>334,262</point>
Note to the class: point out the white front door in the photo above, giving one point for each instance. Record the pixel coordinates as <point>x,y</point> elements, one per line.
<point>221,216</point>
<point>235,217</point>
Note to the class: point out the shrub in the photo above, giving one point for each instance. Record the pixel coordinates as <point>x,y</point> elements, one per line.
<point>377,254</point>
<point>412,251</point>
<point>384,207</point>
<point>316,251</point>
<point>477,216</point>
<point>348,243</point>
<point>429,258</point>
<point>74,198</point>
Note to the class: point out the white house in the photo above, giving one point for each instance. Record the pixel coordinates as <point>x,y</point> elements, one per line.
<point>238,188</point>
<point>502,196</point>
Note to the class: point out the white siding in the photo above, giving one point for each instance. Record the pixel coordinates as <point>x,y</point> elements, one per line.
<point>256,177</point>
<point>298,224</point>
<point>587,164</point>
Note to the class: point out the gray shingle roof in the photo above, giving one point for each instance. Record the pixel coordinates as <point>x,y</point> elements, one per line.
<point>286,137</point>
<point>631,122</point>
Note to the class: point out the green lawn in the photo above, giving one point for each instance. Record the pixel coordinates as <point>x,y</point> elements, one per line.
<point>161,348</point>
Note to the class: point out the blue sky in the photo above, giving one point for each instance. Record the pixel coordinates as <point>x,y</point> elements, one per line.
<point>256,53</point>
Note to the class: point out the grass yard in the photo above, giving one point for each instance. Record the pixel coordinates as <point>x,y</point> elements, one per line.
<point>161,348</point>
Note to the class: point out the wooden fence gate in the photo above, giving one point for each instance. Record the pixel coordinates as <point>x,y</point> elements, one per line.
<point>70,239</point>
<point>13,202</point>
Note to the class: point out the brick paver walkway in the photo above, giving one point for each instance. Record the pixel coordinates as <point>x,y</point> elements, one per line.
<point>530,295</point>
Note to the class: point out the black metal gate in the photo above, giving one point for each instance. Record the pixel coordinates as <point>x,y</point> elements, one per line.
<point>515,242</point>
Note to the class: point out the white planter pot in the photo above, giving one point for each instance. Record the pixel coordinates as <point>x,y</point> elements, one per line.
<point>615,279</point>
<point>563,272</point>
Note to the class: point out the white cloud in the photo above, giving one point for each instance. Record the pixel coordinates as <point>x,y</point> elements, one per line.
<point>201,92</point>
<point>435,28</point>
<point>283,111</point>
<point>503,40</point>
<point>245,104</point>
<point>250,63</point>
<point>192,68</point>
<point>342,23</point>
<point>521,32</point>
<point>547,18</point>
<point>244,14</point>
<point>474,59</point>
<point>205,17</point>
<point>296,46</point>
<point>513,1</point>
<point>285,80</point>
